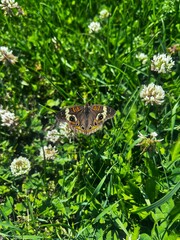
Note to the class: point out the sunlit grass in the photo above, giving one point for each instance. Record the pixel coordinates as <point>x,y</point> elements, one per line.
<point>122,181</point>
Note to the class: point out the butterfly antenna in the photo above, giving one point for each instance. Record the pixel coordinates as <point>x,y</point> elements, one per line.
<point>79,95</point>
<point>84,97</point>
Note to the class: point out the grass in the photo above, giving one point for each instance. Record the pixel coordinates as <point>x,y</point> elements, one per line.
<point>105,185</point>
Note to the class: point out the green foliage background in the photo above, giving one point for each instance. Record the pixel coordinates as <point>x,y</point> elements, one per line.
<point>100,186</point>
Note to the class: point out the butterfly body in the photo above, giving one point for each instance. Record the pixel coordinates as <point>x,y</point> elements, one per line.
<point>86,119</point>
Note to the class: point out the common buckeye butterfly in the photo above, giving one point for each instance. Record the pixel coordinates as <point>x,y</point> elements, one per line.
<point>86,119</point>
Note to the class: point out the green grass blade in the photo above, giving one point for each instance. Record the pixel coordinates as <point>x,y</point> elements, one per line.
<point>160,201</point>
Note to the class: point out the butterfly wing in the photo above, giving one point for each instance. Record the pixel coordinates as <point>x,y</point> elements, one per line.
<point>71,115</point>
<point>86,119</point>
<point>101,114</point>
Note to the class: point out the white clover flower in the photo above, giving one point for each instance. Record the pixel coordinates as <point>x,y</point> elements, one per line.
<point>146,138</point>
<point>52,136</point>
<point>152,94</point>
<point>6,56</point>
<point>94,27</point>
<point>48,152</point>
<point>153,135</point>
<point>7,118</point>
<point>8,5</point>
<point>147,142</point>
<point>142,57</point>
<point>20,166</point>
<point>65,130</point>
<point>162,63</point>
<point>104,14</point>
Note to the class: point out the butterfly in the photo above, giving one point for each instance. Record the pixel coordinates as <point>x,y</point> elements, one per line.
<point>86,119</point>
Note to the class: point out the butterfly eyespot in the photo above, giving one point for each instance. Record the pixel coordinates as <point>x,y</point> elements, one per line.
<point>72,119</point>
<point>100,116</point>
